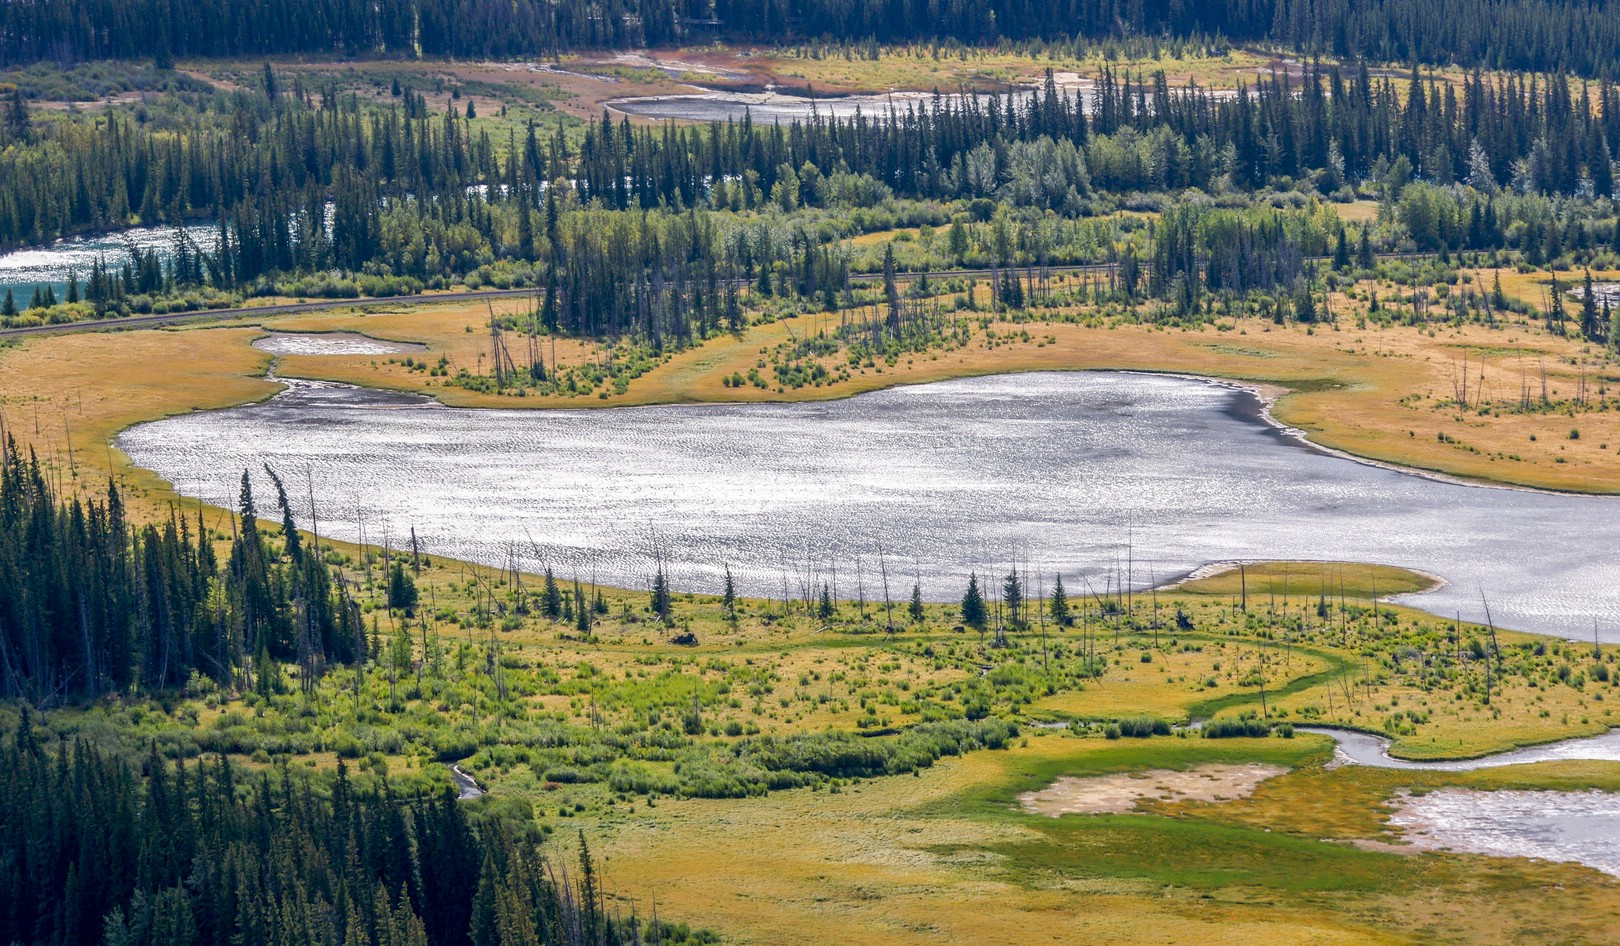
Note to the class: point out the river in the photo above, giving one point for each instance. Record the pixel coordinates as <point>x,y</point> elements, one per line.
<point>22,270</point>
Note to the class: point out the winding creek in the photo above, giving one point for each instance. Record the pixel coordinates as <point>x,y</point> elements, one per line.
<point>1096,474</point>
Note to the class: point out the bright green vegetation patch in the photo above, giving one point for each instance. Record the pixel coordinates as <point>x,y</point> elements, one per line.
<point>1234,862</point>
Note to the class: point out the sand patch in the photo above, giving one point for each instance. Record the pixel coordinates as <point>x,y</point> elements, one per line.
<point>1115,794</point>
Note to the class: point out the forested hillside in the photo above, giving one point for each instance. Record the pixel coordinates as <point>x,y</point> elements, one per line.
<point>1517,34</point>
<point>90,604</point>
<point>99,851</point>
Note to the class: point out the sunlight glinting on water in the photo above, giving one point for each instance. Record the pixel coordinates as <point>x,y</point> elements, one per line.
<point>1097,475</point>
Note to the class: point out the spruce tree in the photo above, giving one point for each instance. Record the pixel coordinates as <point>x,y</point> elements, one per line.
<point>973,604</point>
<point>729,598</point>
<point>1060,604</point>
<point>660,596</point>
<point>402,594</point>
<point>1012,595</point>
<point>551,597</point>
<point>891,289</point>
<point>916,607</point>
<point>582,613</point>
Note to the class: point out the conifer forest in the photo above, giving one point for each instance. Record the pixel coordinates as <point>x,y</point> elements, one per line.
<point>885,472</point>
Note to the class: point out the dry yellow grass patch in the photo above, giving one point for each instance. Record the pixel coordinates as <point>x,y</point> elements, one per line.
<point>94,385</point>
<point>1306,580</point>
<point>1358,211</point>
<point>898,68</point>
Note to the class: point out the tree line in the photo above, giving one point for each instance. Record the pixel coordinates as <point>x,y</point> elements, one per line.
<point>652,231</point>
<point>1542,35</point>
<point>91,603</point>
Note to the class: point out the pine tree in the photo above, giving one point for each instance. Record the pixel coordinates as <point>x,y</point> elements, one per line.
<point>973,604</point>
<point>824,609</point>
<point>729,598</point>
<point>1555,310</point>
<point>8,309</point>
<point>916,607</point>
<point>18,123</point>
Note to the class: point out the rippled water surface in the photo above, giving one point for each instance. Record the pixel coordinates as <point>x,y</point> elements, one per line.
<point>1061,471</point>
<point>775,107</point>
<point>330,343</point>
<point>1558,826</point>
<point>1366,749</point>
<point>21,270</point>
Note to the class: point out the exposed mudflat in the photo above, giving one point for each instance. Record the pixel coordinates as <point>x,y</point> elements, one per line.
<point>331,343</point>
<point>1116,794</point>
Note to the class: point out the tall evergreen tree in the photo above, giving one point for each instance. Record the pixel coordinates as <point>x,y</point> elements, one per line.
<point>973,604</point>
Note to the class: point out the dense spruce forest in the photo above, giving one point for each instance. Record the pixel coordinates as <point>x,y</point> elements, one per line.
<point>1511,34</point>
<point>91,604</point>
<point>99,850</point>
<point>652,231</point>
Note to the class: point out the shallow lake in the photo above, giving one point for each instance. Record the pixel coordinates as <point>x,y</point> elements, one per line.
<point>1579,826</point>
<point>1583,827</point>
<point>776,107</point>
<point>331,343</point>
<point>1091,474</point>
